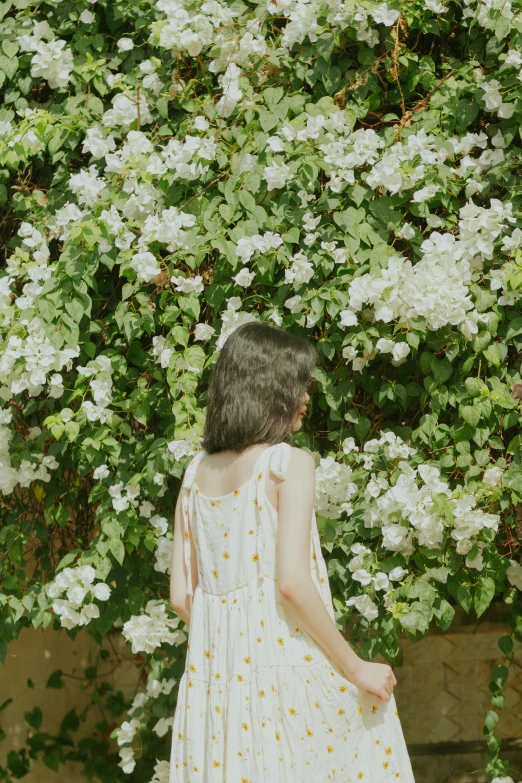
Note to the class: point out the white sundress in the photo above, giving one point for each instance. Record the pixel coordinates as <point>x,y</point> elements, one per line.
<point>259,701</point>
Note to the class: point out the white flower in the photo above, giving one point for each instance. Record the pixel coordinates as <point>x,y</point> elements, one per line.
<point>244,277</point>
<point>349,445</point>
<point>400,352</point>
<point>203,331</point>
<point>493,476</point>
<point>348,318</point>
<point>125,44</point>
<point>514,574</point>
<point>381,581</point>
<point>232,93</point>
<point>101,591</point>
<point>476,562</point>
<point>139,700</point>
<point>435,6</point>
<point>150,630</point>
<point>86,17</point>
<point>97,143</point>
<point>362,576</point>
<point>384,15</point>
<point>424,194</point>
<point>276,175</point>
<point>201,123</point>
<point>163,725</point>
<point>180,449</point>
<point>127,762</point>
<point>127,731</point>
<point>406,231</point>
<point>125,110</point>
<point>101,472</point>
<point>161,772</point>
<point>364,605</point>
<point>87,185</point>
<point>159,524</point>
<point>163,555</point>
<point>146,508</point>
<point>360,550</point>
<point>384,346</point>
<point>349,352</point>
<point>275,144</point>
<point>51,61</point>
<point>146,265</point>
<point>397,574</point>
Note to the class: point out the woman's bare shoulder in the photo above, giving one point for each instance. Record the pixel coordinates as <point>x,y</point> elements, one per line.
<point>301,460</point>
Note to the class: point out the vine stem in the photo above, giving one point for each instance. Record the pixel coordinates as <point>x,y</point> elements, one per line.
<point>497,767</point>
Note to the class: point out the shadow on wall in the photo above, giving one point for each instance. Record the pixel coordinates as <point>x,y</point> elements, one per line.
<point>443,694</point>
<point>32,660</point>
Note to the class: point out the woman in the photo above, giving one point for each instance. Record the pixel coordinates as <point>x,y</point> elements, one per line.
<point>271,692</point>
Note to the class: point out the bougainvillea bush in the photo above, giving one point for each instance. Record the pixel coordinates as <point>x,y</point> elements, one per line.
<point>350,171</point>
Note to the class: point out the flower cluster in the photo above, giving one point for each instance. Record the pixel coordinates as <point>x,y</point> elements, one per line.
<point>77,584</point>
<point>142,703</point>
<point>148,631</point>
<point>29,470</point>
<point>51,59</point>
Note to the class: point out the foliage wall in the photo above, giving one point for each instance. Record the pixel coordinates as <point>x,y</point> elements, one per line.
<point>348,170</point>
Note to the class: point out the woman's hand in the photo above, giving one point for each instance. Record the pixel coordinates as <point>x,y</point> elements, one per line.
<point>375,678</point>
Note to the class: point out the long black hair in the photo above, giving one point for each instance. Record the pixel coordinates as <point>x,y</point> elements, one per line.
<point>256,387</point>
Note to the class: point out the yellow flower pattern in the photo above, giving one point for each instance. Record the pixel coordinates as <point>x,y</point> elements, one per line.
<point>258,699</point>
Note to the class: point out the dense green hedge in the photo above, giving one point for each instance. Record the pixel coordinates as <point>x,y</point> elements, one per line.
<point>168,170</point>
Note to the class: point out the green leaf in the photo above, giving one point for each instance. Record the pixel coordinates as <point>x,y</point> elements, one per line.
<point>464,597</point>
<point>10,48</point>
<point>117,549</point>
<point>269,120</point>
<point>34,718</point>
<point>441,369</point>
<point>67,559</point>
<point>247,200</point>
<point>514,328</point>
<point>111,528</point>
<point>272,95</point>
<point>490,720</point>
<point>500,675</point>
<point>363,427</point>
<point>496,353</point>
<point>70,722</point>
<point>332,79</point>
<point>383,210</point>
<point>55,680</point>
<point>506,644</point>
<point>162,106</point>
<point>466,113</point>
<point>470,414</point>
<point>52,758</point>
<point>444,613</point>
<point>439,574</point>
<point>484,595</point>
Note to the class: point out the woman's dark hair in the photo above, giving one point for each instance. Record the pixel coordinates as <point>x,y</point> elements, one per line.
<point>256,387</point>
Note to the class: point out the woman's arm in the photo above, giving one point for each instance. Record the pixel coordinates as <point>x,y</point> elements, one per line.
<point>296,502</point>
<point>181,602</point>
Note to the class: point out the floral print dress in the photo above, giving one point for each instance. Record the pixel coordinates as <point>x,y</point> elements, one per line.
<point>259,702</point>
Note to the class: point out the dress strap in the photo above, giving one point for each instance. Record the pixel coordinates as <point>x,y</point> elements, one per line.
<point>276,458</point>
<point>188,505</point>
